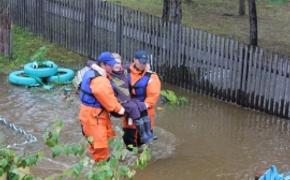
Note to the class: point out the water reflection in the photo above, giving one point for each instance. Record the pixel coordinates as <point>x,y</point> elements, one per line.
<point>206,139</point>
<point>216,140</point>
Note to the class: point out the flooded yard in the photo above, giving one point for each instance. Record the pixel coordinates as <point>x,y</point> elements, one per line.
<point>205,139</point>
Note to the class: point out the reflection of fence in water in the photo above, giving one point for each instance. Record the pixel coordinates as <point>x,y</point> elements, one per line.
<point>212,118</point>
<point>189,58</point>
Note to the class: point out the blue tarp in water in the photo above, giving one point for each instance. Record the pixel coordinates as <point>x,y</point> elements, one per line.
<point>273,174</point>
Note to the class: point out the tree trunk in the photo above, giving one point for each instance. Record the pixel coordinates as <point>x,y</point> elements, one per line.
<point>176,11</point>
<point>253,22</point>
<point>166,10</point>
<point>5,32</point>
<point>242,7</point>
<point>172,10</point>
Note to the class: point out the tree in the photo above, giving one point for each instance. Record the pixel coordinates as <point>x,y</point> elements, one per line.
<point>166,10</point>
<point>253,22</point>
<point>176,11</point>
<point>172,10</point>
<point>242,7</point>
<point>5,31</point>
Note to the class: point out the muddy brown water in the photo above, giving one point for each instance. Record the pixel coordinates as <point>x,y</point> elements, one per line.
<point>206,139</point>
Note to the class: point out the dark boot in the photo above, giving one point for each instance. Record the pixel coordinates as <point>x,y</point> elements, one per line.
<point>147,126</point>
<point>129,137</point>
<point>144,138</point>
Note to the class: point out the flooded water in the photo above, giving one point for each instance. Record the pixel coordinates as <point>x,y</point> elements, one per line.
<point>206,139</point>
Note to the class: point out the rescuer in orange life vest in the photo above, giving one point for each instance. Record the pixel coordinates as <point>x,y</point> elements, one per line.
<point>97,101</point>
<point>145,86</point>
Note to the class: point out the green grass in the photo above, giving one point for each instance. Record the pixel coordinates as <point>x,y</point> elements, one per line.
<point>209,15</point>
<point>25,45</point>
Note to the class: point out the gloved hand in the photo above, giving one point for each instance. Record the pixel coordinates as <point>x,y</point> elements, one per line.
<point>141,105</point>
<point>122,111</point>
<point>131,110</point>
<point>119,114</point>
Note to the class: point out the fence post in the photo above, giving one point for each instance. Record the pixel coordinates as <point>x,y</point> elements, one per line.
<point>119,33</point>
<point>40,16</point>
<point>23,15</point>
<point>89,22</point>
<point>9,39</point>
<point>243,61</point>
<point>246,64</point>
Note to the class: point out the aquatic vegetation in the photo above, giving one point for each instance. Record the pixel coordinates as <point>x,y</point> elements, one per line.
<point>169,96</point>
<point>12,165</point>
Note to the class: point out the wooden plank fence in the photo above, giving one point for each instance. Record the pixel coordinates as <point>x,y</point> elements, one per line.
<point>190,58</point>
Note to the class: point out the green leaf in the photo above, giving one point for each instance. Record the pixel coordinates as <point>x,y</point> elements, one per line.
<point>114,162</point>
<point>3,163</point>
<point>77,169</point>
<point>124,170</point>
<point>82,151</point>
<point>108,173</point>
<point>32,159</point>
<point>13,174</point>
<point>51,136</point>
<point>1,172</point>
<point>56,151</point>
<point>51,139</point>
<point>67,149</point>
<point>144,158</point>
<point>27,177</point>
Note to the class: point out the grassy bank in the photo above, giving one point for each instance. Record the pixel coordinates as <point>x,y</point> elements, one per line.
<point>221,17</point>
<point>24,46</point>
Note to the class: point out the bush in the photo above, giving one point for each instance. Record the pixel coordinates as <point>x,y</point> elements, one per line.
<point>171,98</point>
<point>85,168</point>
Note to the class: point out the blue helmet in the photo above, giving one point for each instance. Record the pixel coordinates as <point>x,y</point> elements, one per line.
<point>107,58</point>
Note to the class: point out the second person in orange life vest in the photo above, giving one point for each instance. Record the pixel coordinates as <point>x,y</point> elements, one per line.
<point>145,86</point>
